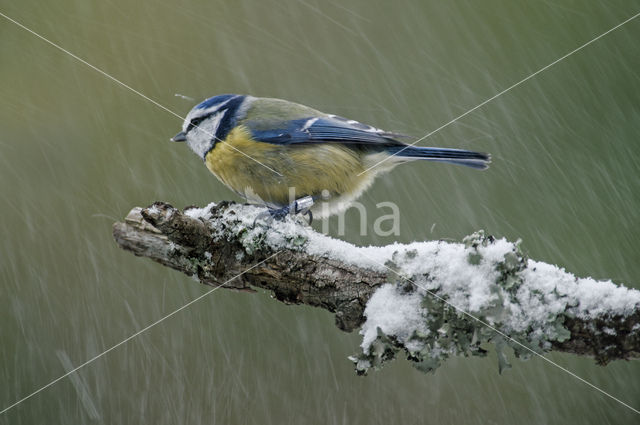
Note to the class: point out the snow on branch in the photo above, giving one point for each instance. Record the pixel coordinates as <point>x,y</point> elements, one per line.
<point>430,300</point>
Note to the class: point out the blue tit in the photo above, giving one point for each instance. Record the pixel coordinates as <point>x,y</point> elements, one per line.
<point>268,150</point>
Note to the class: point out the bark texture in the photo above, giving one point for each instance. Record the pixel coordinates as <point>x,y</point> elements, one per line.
<point>209,249</point>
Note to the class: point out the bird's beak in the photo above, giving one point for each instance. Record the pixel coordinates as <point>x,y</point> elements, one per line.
<point>180,137</point>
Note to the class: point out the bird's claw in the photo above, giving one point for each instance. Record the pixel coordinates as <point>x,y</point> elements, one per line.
<point>280,213</point>
<point>299,206</point>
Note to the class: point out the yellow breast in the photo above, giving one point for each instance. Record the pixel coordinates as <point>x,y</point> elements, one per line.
<point>246,165</point>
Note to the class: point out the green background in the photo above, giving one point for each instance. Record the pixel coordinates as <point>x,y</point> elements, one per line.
<point>77,151</point>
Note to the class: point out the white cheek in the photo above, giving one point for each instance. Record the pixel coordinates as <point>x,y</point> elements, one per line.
<point>201,138</point>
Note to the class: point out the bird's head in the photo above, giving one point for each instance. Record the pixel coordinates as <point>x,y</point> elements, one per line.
<point>209,122</point>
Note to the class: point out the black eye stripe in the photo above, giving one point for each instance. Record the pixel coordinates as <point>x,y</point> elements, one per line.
<point>227,121</point>
<point>194,122</point>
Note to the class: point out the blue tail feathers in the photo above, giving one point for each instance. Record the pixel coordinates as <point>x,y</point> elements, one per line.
<point>477,160</point>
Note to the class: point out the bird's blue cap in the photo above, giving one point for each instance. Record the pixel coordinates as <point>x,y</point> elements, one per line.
<point>214,100</point>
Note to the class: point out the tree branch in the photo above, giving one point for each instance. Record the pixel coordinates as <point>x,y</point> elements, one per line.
<point>504,288</point>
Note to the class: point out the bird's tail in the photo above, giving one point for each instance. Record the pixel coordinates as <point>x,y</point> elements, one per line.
<point>471,159</point>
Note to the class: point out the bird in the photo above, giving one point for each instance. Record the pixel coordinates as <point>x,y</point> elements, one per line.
<point>294,159</point>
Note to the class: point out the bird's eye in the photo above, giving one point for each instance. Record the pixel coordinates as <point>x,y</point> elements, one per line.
<point>195,122</point>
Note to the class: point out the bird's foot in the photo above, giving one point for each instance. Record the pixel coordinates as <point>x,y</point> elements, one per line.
<point>299,206</point>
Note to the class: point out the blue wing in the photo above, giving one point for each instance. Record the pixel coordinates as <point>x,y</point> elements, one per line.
<point>325,129</point>
<point>333,129</point>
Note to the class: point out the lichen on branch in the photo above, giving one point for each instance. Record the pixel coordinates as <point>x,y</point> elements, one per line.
<point>430,300</point>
